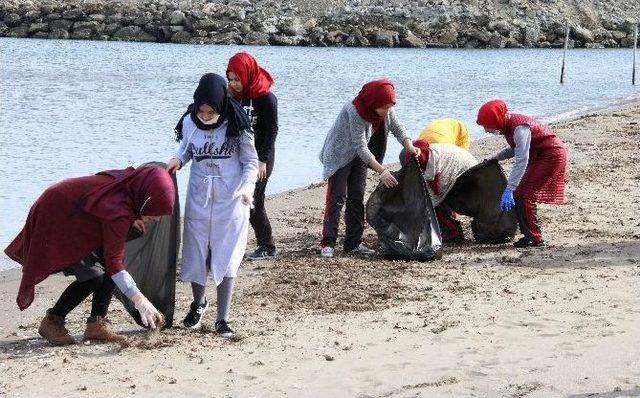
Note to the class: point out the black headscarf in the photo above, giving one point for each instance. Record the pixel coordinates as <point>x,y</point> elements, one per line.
<point>212,90</point>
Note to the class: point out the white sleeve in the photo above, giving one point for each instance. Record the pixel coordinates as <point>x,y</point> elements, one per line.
<point>125,283</point>
<point>522,139</point>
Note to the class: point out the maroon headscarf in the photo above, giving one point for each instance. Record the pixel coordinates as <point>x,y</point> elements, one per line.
<point>493,115</point>
<point>374,95</point>
<point>255,80</point>
<point>146,191</point>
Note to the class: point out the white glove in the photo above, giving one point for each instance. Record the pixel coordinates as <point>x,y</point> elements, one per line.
<point>388,179</point>
<point>148,313</point>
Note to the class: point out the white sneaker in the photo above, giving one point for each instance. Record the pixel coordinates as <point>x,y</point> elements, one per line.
<point>326,251</point>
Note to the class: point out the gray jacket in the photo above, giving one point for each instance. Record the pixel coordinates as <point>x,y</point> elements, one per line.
<point>349,138</point>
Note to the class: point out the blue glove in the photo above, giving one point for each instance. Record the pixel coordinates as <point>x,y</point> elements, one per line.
<point>507,202</point>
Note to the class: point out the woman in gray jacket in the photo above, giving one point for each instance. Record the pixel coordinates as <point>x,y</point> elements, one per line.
<point>362,126</point>
<point>215,133</point>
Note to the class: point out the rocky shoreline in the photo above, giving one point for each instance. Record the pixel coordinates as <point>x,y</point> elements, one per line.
<point>353,23</point>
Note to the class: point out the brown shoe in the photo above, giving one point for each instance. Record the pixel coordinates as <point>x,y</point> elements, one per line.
<point>98,330</point>
<point>53,330</point>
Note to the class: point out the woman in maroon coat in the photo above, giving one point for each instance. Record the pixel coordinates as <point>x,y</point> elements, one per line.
<point>539,169</point>
<point>77,217</point>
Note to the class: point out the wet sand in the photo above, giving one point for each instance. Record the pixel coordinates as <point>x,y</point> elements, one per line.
<point>485,321</point>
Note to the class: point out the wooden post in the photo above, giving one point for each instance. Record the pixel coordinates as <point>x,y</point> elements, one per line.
<point>564,56</point>
<point>635,47</point>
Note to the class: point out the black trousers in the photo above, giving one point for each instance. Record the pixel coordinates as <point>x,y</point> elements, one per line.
<point>345,185</point>
<point>102,288</point>
<point>258,215</point>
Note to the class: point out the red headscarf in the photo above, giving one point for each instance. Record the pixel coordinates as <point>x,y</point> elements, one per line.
<point>256,81</point>
<point>372,96</point>
<point>147,191</point>
<point>493,115</point>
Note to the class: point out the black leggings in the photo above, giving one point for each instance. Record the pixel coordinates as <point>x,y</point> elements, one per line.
<point>102,288</point>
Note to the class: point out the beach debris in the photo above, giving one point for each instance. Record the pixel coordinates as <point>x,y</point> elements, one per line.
<point>328,357</point>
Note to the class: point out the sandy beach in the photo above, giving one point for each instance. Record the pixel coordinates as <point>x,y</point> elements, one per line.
<point>485,321</point>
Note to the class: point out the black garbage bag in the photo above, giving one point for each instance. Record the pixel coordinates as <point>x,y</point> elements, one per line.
<point>151,260</point>
<point>404,218</point>
<point>476,193</point>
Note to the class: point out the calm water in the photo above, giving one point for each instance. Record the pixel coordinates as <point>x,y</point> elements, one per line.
<point>70,108</point>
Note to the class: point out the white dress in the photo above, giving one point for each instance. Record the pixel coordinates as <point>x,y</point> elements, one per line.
<point>216,222</point>
<point>448,162</point>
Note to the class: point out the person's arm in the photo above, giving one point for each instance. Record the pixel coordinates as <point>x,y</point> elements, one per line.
<point>397,129</point>
<point>506,153</point>
<point>249,160</point>
<point>267,126</point>
<point>183,155</point>
<point>522,139</point>
<point>114,235</point>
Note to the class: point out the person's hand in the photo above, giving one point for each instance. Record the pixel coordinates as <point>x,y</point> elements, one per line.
<point>173,165</point>
<point>262,171</point>
<point>139,225</point>
<point>148,313</point>
<point>245,199</point>
<point>388,179</point>
<point>507,202</point>
<point>412,150</point>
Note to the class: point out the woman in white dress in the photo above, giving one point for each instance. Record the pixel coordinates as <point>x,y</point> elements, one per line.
<point>215,133</point>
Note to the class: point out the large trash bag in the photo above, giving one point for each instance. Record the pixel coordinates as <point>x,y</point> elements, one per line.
<point>404,218</point>
<point>151,260</point>
<point>476,193</point>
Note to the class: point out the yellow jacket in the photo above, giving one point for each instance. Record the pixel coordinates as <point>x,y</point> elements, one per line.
<point>446,131</point>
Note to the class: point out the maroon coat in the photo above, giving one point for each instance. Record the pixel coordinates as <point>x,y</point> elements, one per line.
<point>543,180</point>
<point>61,229</point>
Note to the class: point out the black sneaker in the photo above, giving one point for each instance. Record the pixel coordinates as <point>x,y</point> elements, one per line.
<point>262,253</point>
<point>524,242</point>
<point>223,329</point>
<point>193,318</point>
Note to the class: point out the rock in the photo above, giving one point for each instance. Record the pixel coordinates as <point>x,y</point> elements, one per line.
<point>497,41</point>
<point>181,37</point>
<point>97,17</point>
<point>32,16</point>
<point>531,36</point>
<point>143,19</point>
<point>91,26</point>
<point>501,26</point>
<point>291,27</point>
<point>626,42</point>
<point>282,40</point>
<point>57,33</point>
<point>256,39</point>
<point>38,27</point>
<point>481,35</point>
<point>19,31</point>
<point>336,36</point>
<point>74,14</point>
<point>62,24</point>
<point>616,34</point>
<point>411,41</point>
<point>128,33</point>
<point>583,34</point>
<point>226,38</point>
<point>81,34</point>
<point>177,18</point>
<point>52,16</point>
<point>385,38</point>
<point>40,35</point>
<point>205,24</point>
<point>112,28</point>
<point>448,37</point>
<point>12,20</point>
<point>593,45</point>
<point>3,28</point>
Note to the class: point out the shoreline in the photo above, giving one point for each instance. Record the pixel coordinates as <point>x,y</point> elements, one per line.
<point>486,320</point>
<point>563,116</point>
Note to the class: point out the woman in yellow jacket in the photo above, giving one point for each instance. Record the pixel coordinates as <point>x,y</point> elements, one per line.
<point>446,131</point>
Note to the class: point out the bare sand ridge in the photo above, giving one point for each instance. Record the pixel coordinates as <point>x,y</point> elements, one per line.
<point>485,321</point>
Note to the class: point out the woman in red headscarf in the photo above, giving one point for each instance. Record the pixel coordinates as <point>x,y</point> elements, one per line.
<point>540,163</point>
<point>75,218</point>
<point>251,85</point>
<point>357,140</point>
